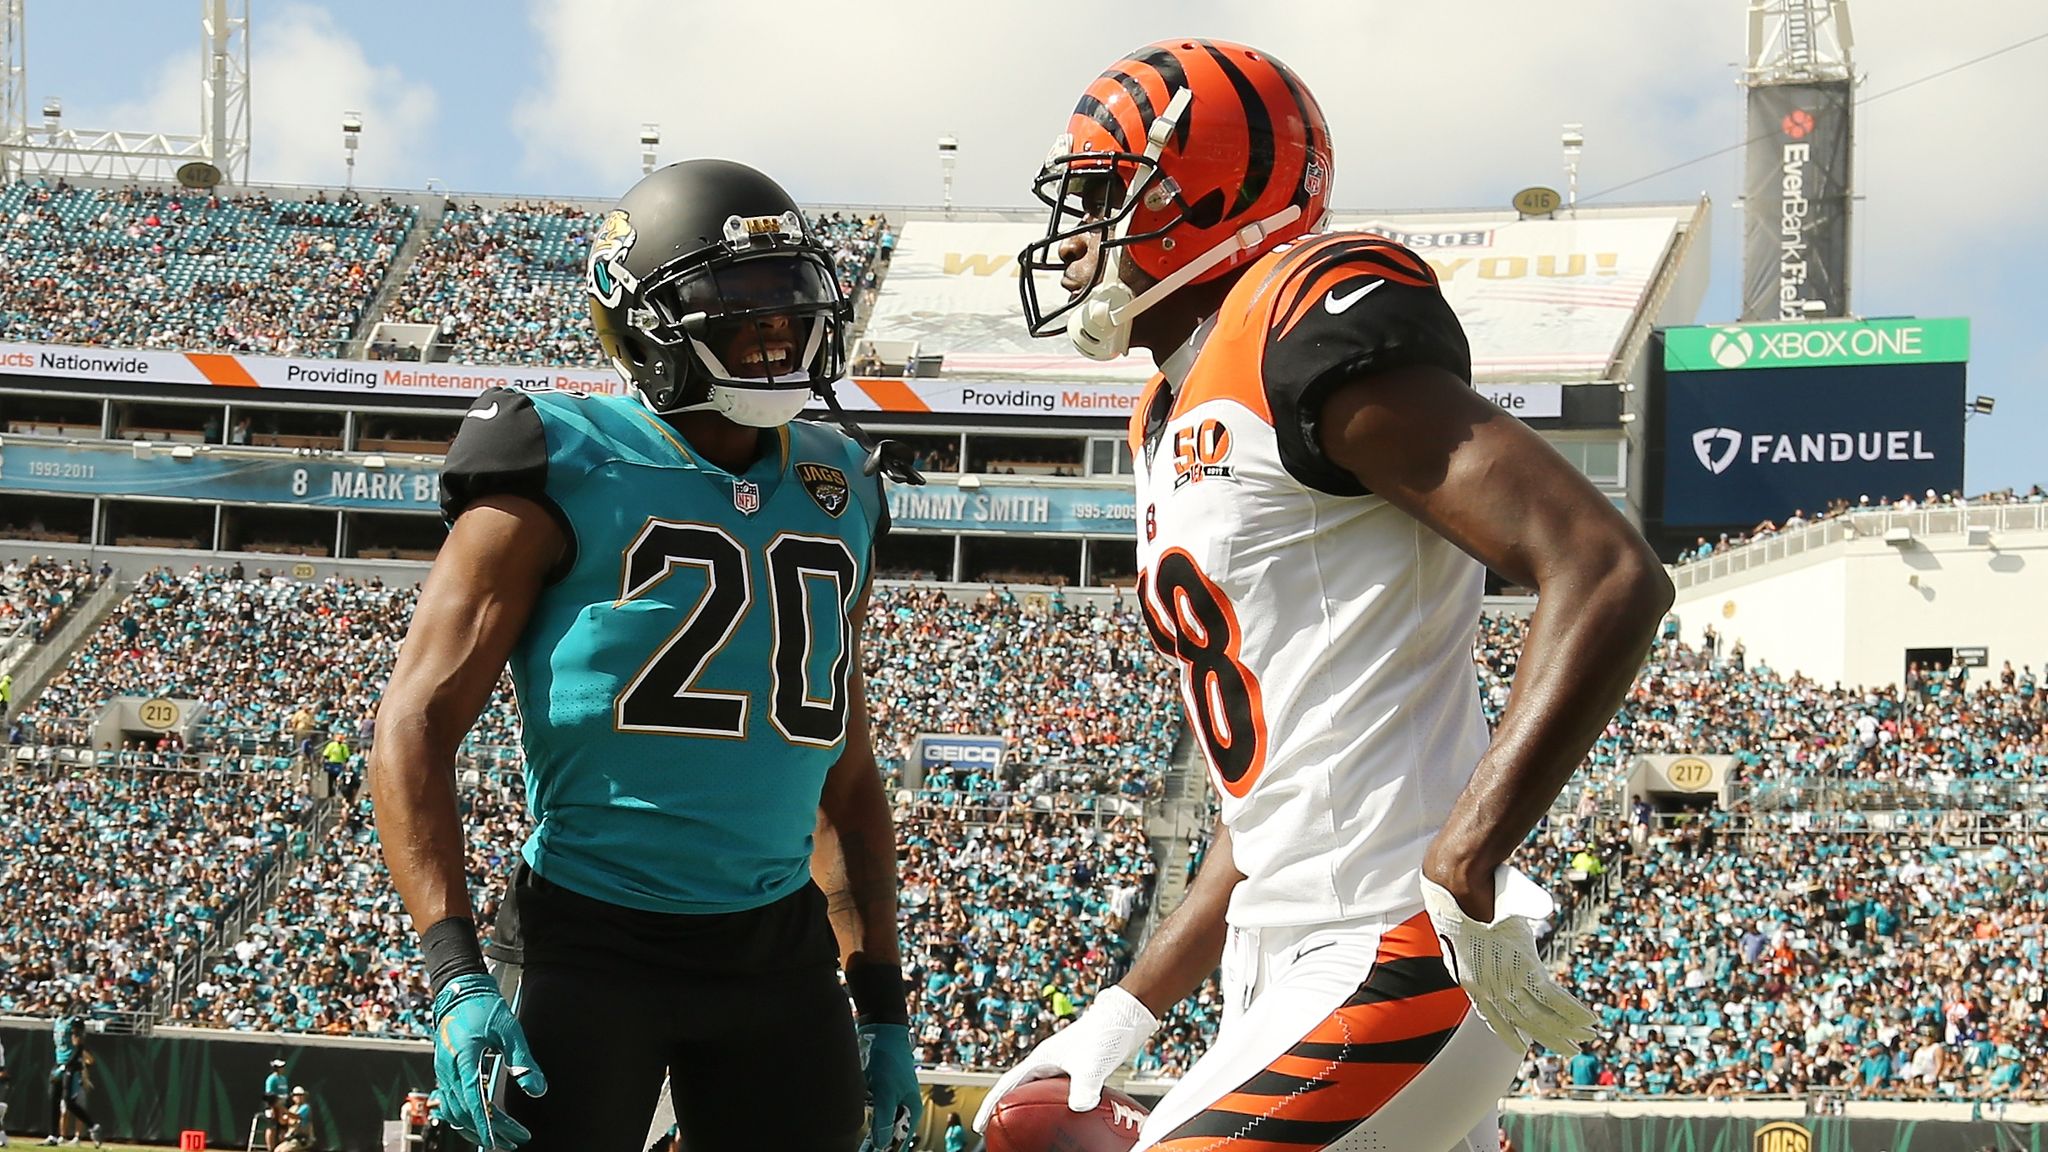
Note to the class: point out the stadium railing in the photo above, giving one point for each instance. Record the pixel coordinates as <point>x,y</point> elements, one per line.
<point>45,659</point>
<point>1921,522</point>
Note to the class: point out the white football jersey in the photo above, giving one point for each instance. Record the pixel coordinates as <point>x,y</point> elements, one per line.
<point>1324,636</point>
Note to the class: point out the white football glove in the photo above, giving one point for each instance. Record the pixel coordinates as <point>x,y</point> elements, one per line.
<point>1497,966</point>
<point>1104,1039</point>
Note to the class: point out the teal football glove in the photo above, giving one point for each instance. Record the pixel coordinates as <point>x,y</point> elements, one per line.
<point>470,1018</point>
<point>893,1101</point>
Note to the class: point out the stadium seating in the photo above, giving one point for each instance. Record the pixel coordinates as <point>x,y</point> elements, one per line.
<point>109,874</point>
<point>1703,548</point>
<point>35,594</point>
<point>505,284</point>
<point>335,953</point>
<point>138,268</point>
<point>1783,958</point>
<point>1077,691</point>
<point>1014,909</point>
<point>1018,883</point>
<point>257,653</point>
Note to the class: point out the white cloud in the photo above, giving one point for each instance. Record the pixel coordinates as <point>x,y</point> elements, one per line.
<point>1427,105</point>
<point>305,70</point>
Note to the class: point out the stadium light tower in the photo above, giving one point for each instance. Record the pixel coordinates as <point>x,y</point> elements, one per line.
<point>1574,141</point>
<point>220,150</point>
<point>949,151</point>
<point>13,86</point>
<point>650,142</point>
<point>351,137</point>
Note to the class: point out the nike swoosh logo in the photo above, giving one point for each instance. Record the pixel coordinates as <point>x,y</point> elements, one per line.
<point>482,413</point>
<point>1338,305</point>
<point>1317,948</point>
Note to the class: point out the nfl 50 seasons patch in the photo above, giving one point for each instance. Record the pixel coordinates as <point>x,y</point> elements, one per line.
<point>826,484</point>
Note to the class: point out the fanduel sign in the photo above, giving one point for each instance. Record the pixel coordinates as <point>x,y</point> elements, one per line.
<point>1750,445</point>
<point>1741,346</point>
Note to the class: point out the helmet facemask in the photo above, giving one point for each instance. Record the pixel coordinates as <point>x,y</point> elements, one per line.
<point>1099,193</point>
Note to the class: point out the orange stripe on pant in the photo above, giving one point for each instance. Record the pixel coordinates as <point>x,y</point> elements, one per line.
<point>1346,1068</point>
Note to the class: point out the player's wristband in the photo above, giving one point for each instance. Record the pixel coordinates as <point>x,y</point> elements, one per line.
<point>878,994</point>
<point>451,950</point>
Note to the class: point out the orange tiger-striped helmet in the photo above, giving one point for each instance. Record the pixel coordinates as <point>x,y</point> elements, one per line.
<point>1194,156</point>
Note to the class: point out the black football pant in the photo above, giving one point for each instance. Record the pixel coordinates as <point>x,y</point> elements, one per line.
<point>59,1100</point>
<point>744,1013</point>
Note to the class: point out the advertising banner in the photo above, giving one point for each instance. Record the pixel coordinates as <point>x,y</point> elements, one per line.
<point>229,476</point>
<point>1538,298</point>
<point>148,1089</point>
<point>234,370</point>
<point>1102,398</point>
<point>217,474</point>
<point>945,749</point>
<point>1741,447</point>
<point>1736,347</point>
<point>1590,1131</point>
<point>1092,510</point>
<point>1795,219</point>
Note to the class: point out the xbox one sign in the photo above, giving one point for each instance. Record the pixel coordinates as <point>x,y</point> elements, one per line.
<point>1747,346</point>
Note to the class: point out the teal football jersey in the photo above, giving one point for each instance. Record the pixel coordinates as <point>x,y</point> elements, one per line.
<point>683,681</point>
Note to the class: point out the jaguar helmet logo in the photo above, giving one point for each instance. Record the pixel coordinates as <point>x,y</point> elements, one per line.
<point>609,279</point>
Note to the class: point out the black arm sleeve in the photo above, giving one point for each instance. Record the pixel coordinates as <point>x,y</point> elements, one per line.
<point>1367,306</point>
<point>502,450</point>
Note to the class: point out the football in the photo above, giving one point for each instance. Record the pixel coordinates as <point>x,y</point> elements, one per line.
<point>1034,1117</point>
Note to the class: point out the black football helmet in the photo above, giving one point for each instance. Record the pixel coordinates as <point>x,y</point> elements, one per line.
<point>687,271</point>
<point>694,254</point>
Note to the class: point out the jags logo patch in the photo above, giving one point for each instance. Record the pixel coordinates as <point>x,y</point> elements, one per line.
<point>826,484</point>
<point>609,280</point>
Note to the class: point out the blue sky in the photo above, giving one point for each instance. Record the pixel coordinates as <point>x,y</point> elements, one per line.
<point>1432,106</point>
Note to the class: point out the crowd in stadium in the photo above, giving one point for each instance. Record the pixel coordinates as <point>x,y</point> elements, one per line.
<point>108,877</point>
<point>1685,940</point>
<point>35,593</point>
<point>1014,907</point>
<point>1074,688</point>
<point>1703,548</point>
<point>255,273</point>
<point>1798,959</point>
<point>504,285</point>
<point>335,953</point>
<point>250,273</point>
<point>275,664</point>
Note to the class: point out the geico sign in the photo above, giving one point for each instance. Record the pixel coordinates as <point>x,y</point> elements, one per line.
<point>964,753</point>
<point>1717,448</point>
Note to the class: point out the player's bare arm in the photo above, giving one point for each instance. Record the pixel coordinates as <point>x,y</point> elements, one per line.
<point>1432,446</point>
<point>1189,945</point>
<point>471,611</point>
<point>854,861</point>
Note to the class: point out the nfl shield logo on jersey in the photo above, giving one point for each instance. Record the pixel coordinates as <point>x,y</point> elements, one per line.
<point>746,496</point>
